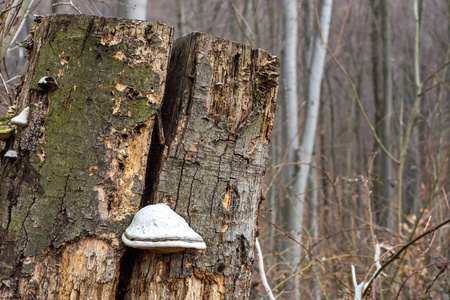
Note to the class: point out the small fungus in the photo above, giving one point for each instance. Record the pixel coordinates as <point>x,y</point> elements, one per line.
<point>22,119</point>
<point>158,228</point>
<point>11,111</point>
<point>11,154</point>
<point>5,132</point>
<point>48,84</point>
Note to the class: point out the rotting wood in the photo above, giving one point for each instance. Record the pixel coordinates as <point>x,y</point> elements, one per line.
<point>217,117</point>
<point>105,142</point>
<point>79,179</point>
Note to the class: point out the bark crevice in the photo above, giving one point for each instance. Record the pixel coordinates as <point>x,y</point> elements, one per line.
<point>140,129</point>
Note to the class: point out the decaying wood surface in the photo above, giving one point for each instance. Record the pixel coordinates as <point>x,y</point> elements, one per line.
<point>107,141</point>
<point>79,179</point>
<point>217,117</point>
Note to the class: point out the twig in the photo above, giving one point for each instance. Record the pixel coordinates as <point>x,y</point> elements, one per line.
<point>437,276</point>
<point>415,272</point>
<point>431,243</point>
<point>311,264</point>
<point>11,23</point>
<point>361,108</point>
<point>4,84</point>
<point>307,250</point>
<point>435,72</point>
<point>70,3</point>
<point>261,270</point>
<point>344,21</point>
<point>445,197</point>
<point>360,288</point>
<point>239,24</point>
<point>427,201</point>
<point>402,249</point>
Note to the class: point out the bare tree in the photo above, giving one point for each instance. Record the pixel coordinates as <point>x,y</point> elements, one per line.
<point>132,9</point>
<point>386,136</point>
<point>290,214</point>
<point>13,15</point>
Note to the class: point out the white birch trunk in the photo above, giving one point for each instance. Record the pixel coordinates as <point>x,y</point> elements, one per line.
<point>290,112</point>
<point>290,131</point>
<point>132,9</point>
<point>312,115</point>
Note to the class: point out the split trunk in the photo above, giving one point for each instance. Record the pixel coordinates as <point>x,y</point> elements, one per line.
<point>130,122</point>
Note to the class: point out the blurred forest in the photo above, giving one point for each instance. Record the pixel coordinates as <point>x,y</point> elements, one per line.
<point>374,207</point>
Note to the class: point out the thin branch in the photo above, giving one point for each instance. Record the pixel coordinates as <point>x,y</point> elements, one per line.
<point>70,3</point>
<point>311,264</point>
<point>360,288</point>
<point>427,201</point>
<point>445,197</point>
<point>309,252</point>
<point>432,87</point>
<point>12,23</point>
<point>344,21</point>
<point>437,276</point>
<point>261,270</point>
<point>402,249</point>
<point>435,72</point>
<point>4,84</point>
<point>358,101</point>
<point>431,244</point>
<point>239,24</point>
<point>415,272</point>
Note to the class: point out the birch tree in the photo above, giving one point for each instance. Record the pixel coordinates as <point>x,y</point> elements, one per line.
<point>12,15</point>
<point>132,9</point>
<point>304,152</point>
<point>293,212</point>
<point>290,103</point>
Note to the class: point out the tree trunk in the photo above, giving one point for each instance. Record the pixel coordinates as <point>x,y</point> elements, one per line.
<point>217,118</point>
<point>290,117</point>
<point>132,9</point>
<point>105,142</point>
<point>304,150</point>
<point>386,128</point>
<point>290,214</point>
<point>78,179</point>
<point>181,15</point>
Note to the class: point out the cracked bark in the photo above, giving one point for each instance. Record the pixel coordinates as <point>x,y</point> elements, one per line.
<point>217,119</point>
<point>106,142</point>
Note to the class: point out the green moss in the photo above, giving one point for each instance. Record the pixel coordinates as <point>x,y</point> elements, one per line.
<point>5,131</point>
<point>256,96</point>
<point>80,115</point>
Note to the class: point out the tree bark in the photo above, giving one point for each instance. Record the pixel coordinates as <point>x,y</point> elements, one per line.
<point>386,128</point>
<point>105,142</point>
<point>78,181</point>
<point>290,216</point>
<point>217,120</point>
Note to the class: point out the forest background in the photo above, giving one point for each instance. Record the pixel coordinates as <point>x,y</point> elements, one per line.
<point>373,186</point>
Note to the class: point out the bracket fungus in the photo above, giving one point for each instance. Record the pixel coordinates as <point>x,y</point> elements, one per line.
<point>5,132</point>
<point>48,84</point>
<point>22,119</point>
<point>11,154</point>
<point>158,228</point>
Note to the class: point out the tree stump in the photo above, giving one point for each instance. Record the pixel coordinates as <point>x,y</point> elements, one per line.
<point>113,127</point>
